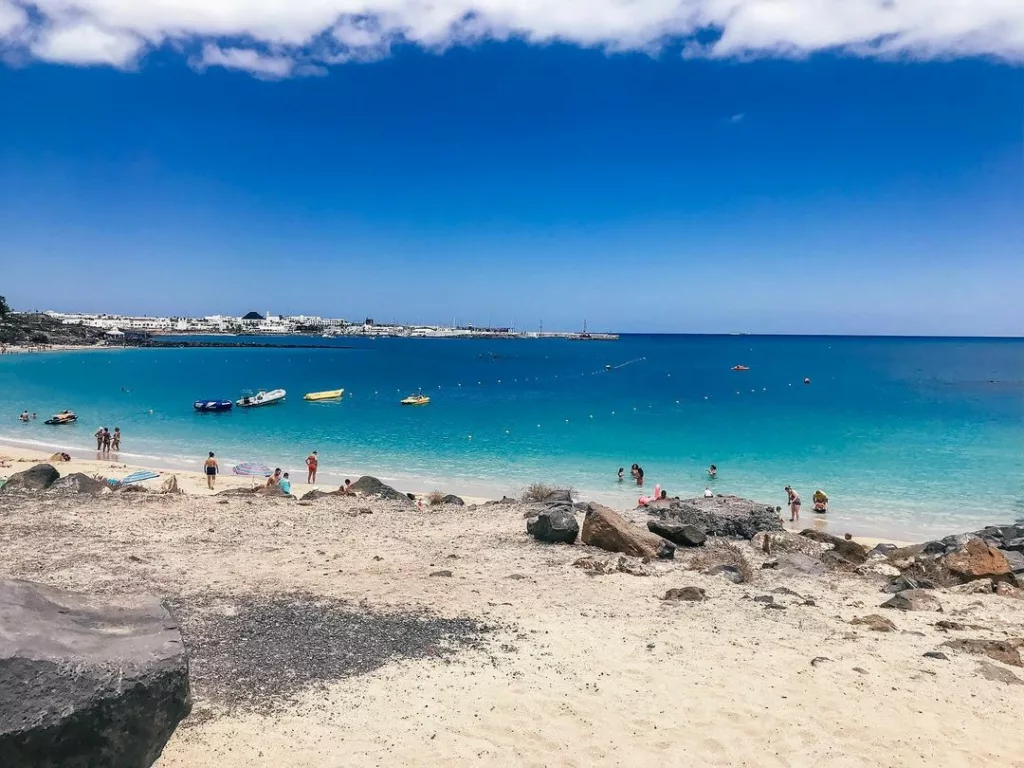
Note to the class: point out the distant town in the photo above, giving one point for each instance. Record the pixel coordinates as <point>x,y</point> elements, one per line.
<point>267,324</point>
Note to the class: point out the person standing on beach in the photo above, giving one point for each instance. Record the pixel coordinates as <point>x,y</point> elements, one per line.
<point>106,440</point>
<point>98,434</point>
<point>794,504</point>
<point>312,462</point>
<point>115,439</point>
<point>211,468</point>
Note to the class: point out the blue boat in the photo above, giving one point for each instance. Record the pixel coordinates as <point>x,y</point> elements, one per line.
<point>206,406</point>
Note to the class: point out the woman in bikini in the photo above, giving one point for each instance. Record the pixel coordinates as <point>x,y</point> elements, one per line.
<point>794,504</point>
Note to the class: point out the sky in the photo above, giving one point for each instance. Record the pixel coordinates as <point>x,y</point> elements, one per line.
<point>693,166</point>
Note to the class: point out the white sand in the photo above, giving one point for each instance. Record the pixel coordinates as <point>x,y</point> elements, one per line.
<point>591,671</point>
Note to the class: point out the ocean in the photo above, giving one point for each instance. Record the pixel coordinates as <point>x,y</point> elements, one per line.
<point>909,437</point>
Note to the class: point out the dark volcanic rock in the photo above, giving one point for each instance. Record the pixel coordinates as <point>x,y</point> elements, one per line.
<point>680,534</point>
<point>554,525</point>
<point>1014,545</point>
<point>607,529</point>
<point>904,582</point>
<point>85,681</point>
<point>78,483</point>
<point>453,500</point>
<point>558,497</point>
<point>371,486</point>
<point>913,600</point>
<point>1015,559</point>
<point>729,516</point>
<point>37,478</point>
<point>883,549</point>
<point>850,551</point>
<point>727,572</point>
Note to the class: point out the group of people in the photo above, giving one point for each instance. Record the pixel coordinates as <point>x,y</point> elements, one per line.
<point>25,417</point>
<point>278,478</point>
<point>636,472</point>
<point>107,441</point>
<point>820,500</point>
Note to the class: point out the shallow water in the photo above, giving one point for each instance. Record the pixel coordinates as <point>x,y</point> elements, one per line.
<point>909,437</point>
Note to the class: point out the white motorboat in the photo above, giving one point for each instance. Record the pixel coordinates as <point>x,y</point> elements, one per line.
<point>263,397</point>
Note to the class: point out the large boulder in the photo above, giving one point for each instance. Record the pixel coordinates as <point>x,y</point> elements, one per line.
<point>371,486</point>
<point>978,560</point>
<point>556,525</point>
<point>78,483</point>
<point>728,516</point>
<point>86,681</point>
<point>680,534</point>
<point>774,542</point>
<point>607,529</point>
<point>453,501</point>
<point>1015,559</point>
<point>37,478</point>
<point>850,551</point>
<point>558,497</point>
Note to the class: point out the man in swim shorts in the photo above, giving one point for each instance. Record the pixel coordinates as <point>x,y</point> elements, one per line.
<point>211,468</point>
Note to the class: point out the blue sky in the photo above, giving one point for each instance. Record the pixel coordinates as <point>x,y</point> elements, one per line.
<point>508,181</point>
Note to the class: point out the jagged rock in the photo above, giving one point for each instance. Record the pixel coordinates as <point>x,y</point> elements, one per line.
<point>1015,560</point>
<point>772,542</point>
<point>979,587</point>
<point>904,557</point>
<point>997,674</point>
<point>836,561</point>
<point>1006,651</point>
<point>913,600</point>
<point>729,516</point>
<point>617,564</point>
<point>78,483</point>
<point>904,582</point>
<point>956,542</point>
<point>556,525</point>
<point>727,572</point>
<point>875,623</point>
<point>977,560</point>
<point>558,497</point>
<point>170,485</point>
<point>848,550</point>
<point>453,500</point>
<point>37,478</point>
<point>607,529</point>
<point>936,655</point>
<point>694,594</point>
<point>933,548</point>
<point>679,534</point>
<point>86,680</point>
<point>883,549</point>
<point>1014,545</point>
<point>371,486</point>
<point>1005,590</point>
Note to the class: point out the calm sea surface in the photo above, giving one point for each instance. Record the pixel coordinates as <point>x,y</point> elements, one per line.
<point>909,437</point>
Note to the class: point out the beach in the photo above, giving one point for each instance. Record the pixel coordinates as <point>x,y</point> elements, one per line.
<point>542,663</point>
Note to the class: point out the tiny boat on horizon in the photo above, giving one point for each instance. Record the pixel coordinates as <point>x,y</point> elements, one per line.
<point>262,397</point>
<point>330,394</point>
<point>64,417</point>
<point>212,406</point>
<point>741,368</point>
<point>416,400</point>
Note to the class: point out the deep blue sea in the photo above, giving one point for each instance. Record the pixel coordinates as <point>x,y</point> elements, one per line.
<point>908,437</point>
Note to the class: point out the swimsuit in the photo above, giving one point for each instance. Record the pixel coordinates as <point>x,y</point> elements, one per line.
<point>211,470</point>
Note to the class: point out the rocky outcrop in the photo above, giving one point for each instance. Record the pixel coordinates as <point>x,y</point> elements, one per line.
<point>774,542</point>
<point>78,483</point>
<point>913,600</point>
<point>555,525</point>
<point>850,551</point>
<point>729,516</point>
<point>371,486</point>
<point>1006,651</point>
<point>680,534</point>
<point>86,681</point>
<point>977,560</point>
<point>607,529</point>
<point>37,478</point>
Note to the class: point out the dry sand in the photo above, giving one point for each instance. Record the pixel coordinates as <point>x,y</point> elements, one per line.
<point>579,670</point>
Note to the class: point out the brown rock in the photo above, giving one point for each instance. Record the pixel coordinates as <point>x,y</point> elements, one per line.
<point>997,674</point>
<point>875,623</point>
<point>978,560</point>
<point>607,529</point>
<point>1006,651</point>
<point>913,600</point>
<point>685,593</point>
<point>1007,591</point>
<point>848,550</point>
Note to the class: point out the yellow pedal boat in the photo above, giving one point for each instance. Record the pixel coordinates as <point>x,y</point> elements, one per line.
<point>331,394</point>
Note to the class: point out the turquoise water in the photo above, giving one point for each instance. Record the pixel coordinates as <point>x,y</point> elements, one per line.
<point>908,436</point>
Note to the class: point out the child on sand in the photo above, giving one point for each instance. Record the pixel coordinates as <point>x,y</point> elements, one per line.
<point>285,484</point>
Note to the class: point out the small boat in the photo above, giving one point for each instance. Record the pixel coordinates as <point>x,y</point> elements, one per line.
<point>741,368</point>
<point>330,394</point>
<point>262,397</point>
<point>64,417</point>
<point>416,400</point>
<point>210,406</point>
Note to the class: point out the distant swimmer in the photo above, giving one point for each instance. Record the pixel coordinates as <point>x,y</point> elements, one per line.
<point>794,504</point>
<point>211,468</point>
<point>712,471</point>
<point>637,473</point>
<point>820,499</point>
<point>806,380</point>
<point>621,470</point>
<point>24,416</point>
<point>708,494</point>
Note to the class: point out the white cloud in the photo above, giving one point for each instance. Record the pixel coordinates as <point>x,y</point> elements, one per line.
<point>278,38</point>
<point>738,117</point>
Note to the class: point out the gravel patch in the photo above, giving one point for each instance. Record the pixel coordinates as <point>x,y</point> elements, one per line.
<point>258,653</point>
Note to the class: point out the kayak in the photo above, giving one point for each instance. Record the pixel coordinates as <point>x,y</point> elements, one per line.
<point>207,406</point>
<point>330,394</point>
<point>261,398</point>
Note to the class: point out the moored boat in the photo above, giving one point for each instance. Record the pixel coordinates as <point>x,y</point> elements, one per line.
<point>64,417</point>
<point>330,394</point>
<point>416,400</point>
<point>741,368</point>
<point>211,406</point>
<point>263,397</point>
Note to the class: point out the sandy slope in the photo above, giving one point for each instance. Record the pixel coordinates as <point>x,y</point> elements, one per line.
<point>586,670</point>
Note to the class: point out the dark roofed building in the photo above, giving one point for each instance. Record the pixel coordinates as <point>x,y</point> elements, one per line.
<point>253,316</point>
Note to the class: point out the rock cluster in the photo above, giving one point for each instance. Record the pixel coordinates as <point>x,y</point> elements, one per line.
<point>727,516</point>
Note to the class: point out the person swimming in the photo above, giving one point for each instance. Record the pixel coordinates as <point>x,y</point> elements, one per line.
<point>820,500</point>
<point>712,471</point>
